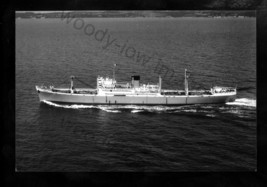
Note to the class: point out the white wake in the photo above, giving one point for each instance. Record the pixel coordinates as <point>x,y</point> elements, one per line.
<point>243,102</point>
<point>74,106</point>
<point>116,108</point>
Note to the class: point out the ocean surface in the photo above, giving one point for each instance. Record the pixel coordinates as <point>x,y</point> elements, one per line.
<point>210,137</point>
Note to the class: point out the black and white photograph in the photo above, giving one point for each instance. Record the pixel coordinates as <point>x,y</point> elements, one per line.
<point>135,91</point>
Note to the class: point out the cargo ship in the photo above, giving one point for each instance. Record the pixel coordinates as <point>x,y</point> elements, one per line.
<point>110,92</point>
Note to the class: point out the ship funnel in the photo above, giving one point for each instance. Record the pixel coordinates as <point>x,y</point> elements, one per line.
<point>135,81</point>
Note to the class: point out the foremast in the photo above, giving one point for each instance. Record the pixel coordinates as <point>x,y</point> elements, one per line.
<point>185,82</point>
<point>71,83</point>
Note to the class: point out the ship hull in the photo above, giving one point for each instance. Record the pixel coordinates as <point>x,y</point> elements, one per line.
<point>133,99</point>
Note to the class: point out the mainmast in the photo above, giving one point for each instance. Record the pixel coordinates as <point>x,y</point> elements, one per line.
<point>160,83</point>
<point>71,84</point>
<point>185,82</point>
<point>114,72</point>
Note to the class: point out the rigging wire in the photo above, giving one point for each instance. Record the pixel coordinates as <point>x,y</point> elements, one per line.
<point>63,82</point>
<point>79,80</point>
